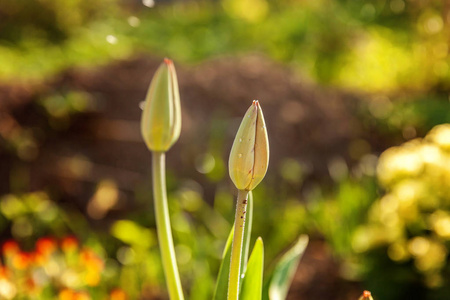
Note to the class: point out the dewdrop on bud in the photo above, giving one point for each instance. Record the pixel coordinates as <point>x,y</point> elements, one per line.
<point>249,157</point>
<point>366,296</point>
<point>161,117</point>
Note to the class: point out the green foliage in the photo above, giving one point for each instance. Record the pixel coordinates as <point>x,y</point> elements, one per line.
<point>220,292</point>
<point>252,285</point>
<point>62,105</point>
<point>280,281</point>
<point>52,21</point>
<point>364,45</point>
<point>41,38</point>
<point>347,206</point>
<point>32,215</point>
<point>253,280</point>
<point>133,234</point>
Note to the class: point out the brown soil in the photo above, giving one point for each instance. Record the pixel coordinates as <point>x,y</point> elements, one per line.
<point>310,124</point>
<point>318,277</point>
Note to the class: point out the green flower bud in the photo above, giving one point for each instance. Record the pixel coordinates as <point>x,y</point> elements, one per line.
<point>161,118</point>
<point>249,157</point>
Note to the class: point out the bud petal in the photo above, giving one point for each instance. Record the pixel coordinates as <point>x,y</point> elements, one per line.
<point>249,157</point>
<point>161,118</point>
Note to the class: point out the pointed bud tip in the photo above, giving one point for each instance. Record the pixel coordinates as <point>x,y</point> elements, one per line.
<point>167,61</point>
<point>255,102</point>
<point>366,296</point>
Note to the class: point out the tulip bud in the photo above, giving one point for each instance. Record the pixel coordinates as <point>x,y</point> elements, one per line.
<point>366,296</point>
<point>249,157</point>
<point>161,118</point>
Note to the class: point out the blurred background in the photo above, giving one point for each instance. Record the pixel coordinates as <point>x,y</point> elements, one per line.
<point>356,95</point>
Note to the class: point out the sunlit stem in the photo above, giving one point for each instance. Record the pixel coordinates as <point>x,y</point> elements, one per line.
<point>236,248</point>
<point>163,227</point>
<point>247,233</point>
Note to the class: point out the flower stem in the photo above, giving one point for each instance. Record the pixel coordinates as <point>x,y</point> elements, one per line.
<point>247,233</point>
<point>236,248</point>
<point>163,227</point>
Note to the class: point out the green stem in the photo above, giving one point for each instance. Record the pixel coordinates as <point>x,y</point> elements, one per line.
<point>236,248</point>
<point>247,233</point>
<point>163,227</point>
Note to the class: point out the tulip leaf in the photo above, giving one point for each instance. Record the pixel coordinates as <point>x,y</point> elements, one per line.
<point>284,271</point>
<point>220,293</point>
<point>253,281</point>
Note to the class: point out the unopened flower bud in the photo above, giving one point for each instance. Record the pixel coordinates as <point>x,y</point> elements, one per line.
<point>161,118</point>
<point>249,157</point>
<point>366,296</point>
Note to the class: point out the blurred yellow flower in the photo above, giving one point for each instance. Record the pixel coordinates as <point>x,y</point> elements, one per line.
<point>416,177</point>
<point>440,135</point>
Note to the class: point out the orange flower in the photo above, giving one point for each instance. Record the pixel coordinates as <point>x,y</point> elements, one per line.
<point>22,260</point>
<point>118,294</point>
<point>40,259</point>
<point>68,294</point>
<point>45,246</point>
<point>81,296</point>
<point>93,264</point>
<point>91,260</point>
<point>4,272</point>
<point>31,285</point>
<point>92,277</point>
<point>69,244</point>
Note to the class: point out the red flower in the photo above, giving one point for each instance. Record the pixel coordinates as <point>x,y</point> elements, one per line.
<point>45,246</point>
<point>10,247</point>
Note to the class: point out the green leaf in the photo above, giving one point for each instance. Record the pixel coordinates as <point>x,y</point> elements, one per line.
<point>247,233</point>
<point>284,271</point>
<point>253,281</point>
<point>220,293</point>
<point>133,234</point>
